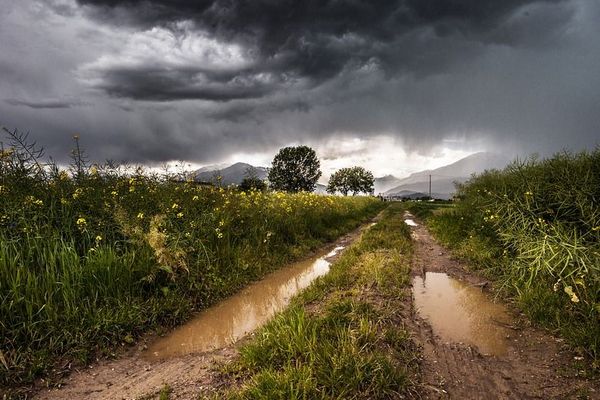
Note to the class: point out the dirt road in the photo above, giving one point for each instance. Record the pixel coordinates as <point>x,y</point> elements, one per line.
<point>535,365</point>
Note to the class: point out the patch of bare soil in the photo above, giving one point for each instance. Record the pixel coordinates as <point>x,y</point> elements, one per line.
<point>132,376</point>
<point>536,365</point>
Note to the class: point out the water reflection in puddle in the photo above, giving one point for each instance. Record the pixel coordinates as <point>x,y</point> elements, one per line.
<point>233,318</point>
<point>459,312</point>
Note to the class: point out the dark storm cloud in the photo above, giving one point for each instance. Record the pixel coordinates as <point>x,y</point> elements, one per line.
<point>46,103</point>
<point>308,40</point>
<point>151,81</point>
<point>165,85</point>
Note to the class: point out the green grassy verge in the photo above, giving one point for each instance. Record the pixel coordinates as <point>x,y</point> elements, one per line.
<point>343,337</point>
<point>90,262</point>
<point>535,227</point>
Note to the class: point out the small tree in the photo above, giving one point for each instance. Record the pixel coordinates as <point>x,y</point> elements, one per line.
<point>355,180</point>
<point>295,169</point>
<point>251,181</point>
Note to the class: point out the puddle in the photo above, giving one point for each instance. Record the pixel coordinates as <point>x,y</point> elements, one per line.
<point>233,318</point>
<point>410,222</point>
<point>459,312</point>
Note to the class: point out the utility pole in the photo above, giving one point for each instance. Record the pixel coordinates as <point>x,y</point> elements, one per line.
<point>429,186</point>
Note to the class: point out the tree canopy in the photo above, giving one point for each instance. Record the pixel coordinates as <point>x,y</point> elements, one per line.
<point>295,169</point>
<point>354,179</point>
<point>251,181</point>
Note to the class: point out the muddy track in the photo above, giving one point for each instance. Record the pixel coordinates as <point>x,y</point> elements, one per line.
<point>133,376</point>
<point>535,366</point>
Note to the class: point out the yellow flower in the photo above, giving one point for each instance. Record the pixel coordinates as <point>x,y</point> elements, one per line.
<point>195,198</point>
<point>528,193</point>
<point>77,193</point>
<point>98,238</point>
<point>81,223</point>
<point>140,215</point>
<point>569,290</point>
<point>175,206</point>
<point>180,215</point>
<point>114,193</point>
<point>131,189</point>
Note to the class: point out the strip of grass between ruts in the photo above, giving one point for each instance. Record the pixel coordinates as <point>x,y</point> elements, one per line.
<point>343,337</point>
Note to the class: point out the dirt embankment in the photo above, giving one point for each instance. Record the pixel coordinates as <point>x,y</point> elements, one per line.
<point>536,365</point>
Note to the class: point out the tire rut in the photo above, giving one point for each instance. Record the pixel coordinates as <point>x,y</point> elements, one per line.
<point>536,365</point>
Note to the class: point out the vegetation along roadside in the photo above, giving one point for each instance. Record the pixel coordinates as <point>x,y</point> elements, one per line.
<point>93,259</point>
<point>535,228</point>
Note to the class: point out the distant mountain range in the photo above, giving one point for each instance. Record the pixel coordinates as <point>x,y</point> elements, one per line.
<point>414,186</point>
<point>442,179</point>
<point>233,174</point>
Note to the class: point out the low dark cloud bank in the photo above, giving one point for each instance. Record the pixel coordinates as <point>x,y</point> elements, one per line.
<point>310,41</point>
<point>203,79</point>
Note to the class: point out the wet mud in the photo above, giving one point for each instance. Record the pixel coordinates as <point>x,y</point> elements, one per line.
<point>475,348</point>
<point>235,317</point>
<point>461,313</point>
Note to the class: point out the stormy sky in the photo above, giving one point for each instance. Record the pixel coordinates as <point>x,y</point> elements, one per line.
<point>396,85</point>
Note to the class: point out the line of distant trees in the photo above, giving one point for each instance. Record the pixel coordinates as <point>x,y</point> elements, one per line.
<point>296,169</point>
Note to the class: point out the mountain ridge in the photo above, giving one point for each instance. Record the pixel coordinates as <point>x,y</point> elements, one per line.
<point>442,178</point>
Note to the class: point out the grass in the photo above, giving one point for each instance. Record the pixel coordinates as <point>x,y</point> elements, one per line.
<point>92,259</point>
<point>342,338</point>
<point>535,227</point>
<point>164,393</point>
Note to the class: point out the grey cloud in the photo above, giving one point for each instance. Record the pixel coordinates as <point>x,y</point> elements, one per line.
<point>503,73</point>
<point>313,40</point>
<point>161,85</point>
<point>45,103</point>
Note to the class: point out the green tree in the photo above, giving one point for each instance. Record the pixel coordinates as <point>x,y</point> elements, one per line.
<point>295,169</point>
<point>251,181</point>
<point>355,180</point>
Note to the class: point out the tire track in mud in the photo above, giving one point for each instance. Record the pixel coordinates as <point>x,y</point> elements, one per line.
<point>536,365</point>
<point>133,376</point>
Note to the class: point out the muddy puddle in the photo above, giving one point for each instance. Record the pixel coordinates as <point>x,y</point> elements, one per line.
<point>461,313</point>
<point>233,318</point>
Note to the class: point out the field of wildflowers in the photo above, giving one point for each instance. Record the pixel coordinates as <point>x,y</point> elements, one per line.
<point>536,227</point>
<point>94,258</point>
